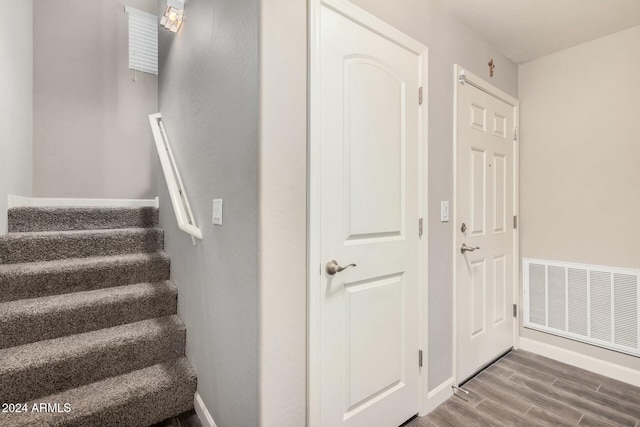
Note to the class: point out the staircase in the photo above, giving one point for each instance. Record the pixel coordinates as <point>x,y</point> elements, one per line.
<point>88,318</point>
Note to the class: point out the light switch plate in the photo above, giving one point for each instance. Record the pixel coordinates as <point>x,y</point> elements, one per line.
<point>444,211</point>
<point>217,212</point>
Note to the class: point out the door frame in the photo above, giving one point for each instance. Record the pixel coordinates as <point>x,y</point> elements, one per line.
<point>314,261</point>
<point>462,74</point>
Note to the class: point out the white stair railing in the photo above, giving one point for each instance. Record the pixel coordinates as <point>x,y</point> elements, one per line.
<point>177,193</point>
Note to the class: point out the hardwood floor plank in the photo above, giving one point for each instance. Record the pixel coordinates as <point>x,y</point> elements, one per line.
<point>438,418</point>
<point>633,410</point>
<point>562,410</point>
<point>499,371</point>
<point>500,415</point>
<point>526,371</point>
<point>577,402</point>
<point>524,353</point>
<point>546,418</point>
<point>585,381</point>
<point>619,390</point>
<point>472,399</point>
<point>465,415</point>
<point>567,372</point>
<point>591,421</point>
<point>497,394</point>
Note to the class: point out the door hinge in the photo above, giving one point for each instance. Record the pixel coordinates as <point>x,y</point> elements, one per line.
<point>515,222</point>
<point>420,90</point>
<point>420,227</point>
<point>515,134</point>
<point>420,358</point>
<point>515,310</point>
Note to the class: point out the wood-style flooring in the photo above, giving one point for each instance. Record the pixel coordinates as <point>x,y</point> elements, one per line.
<point>524,389</point>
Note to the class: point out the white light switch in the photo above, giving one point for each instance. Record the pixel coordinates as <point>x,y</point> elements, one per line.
<point>444,211</point>
<point>217,211</point>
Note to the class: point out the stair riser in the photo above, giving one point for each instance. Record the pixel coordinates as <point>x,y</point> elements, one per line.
<point>64,219</point>
<point>16,286</point>
<point>30,382</point>
<point>25,326</point>
<point>19,248</point>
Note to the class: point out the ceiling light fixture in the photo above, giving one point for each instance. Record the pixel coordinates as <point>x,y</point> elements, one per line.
<point>173,15</point>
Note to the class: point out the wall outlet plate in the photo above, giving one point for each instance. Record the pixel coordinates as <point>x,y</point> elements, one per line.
<point>217,212</point>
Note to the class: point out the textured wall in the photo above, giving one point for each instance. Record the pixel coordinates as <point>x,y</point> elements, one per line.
<point>16,103</point>
<point>91,132</point>
<point>579,198</point>
<point>209,100</point>
<point>283,214</point>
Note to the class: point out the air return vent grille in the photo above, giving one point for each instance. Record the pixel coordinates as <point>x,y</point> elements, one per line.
<point>593,304</point>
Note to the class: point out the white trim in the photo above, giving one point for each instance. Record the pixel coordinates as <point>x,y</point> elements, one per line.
<point>203,413</point>
<point>439,395</point>
<point>579,360</point>
<point>20,201</point>
<point>423,275</point>
<point>460,75</point>
<point>475,81</point>
<point>314,333</point>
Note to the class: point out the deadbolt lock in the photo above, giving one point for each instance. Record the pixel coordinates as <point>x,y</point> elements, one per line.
<point>464,227</point>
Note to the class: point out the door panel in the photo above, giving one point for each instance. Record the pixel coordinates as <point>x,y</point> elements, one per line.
<point>374,143</point>
<point>369,194</point>
<point>485,204</point>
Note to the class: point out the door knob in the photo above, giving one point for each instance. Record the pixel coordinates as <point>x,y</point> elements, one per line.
<point>333,267</point>
<point>466,248</point>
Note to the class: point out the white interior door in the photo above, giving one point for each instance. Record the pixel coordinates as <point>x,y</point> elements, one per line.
<point>485,208</point>
<point>369,313</point>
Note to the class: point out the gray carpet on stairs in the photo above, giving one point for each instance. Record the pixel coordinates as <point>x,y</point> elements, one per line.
<point>53,245</point>
<point>66,219</point>
<point>31,280</point>
<point>37,319</point>
<point>137,399</point>
<point>88,318</point>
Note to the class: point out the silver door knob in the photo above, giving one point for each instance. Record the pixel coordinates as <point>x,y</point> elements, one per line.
<point>333,267</point>
<point>466,248</point>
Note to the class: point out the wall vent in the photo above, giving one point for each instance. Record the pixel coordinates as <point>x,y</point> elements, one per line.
<point>593,304</point>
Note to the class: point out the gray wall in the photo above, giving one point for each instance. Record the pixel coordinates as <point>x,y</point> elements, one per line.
<point>449,42</point>
<point>16,103</point>
<point>91,132</point>
<point>579,197</point>
<point>209,100</point>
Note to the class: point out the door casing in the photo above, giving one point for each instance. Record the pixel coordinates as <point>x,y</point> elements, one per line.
<point>314,261</point>
<point>470,78</point>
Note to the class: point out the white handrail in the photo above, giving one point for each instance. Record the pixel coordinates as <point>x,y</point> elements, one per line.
<point>177,193</point>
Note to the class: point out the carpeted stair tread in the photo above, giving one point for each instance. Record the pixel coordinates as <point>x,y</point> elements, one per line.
<point>37,279</point>
<point>37,319</point>
<point>136,399</point>
<point>32,219</point>
<point>53,245</point>
<point>46,367</point>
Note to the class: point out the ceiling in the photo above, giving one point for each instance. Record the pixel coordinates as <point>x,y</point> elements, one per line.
<point>528,29</point>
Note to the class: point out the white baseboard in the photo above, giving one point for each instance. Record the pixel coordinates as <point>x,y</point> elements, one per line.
<point>438,396</point>
<point>602,367</point>
<point>203,413</point>
<point>20,201</point>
